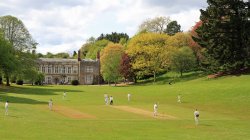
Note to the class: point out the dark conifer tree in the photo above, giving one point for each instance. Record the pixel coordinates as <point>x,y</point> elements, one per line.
<point>225,34</point>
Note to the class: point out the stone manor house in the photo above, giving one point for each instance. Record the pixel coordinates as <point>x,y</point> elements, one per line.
<point>63,71</point>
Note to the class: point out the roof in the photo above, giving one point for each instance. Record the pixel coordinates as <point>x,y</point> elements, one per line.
<point>57,60</point>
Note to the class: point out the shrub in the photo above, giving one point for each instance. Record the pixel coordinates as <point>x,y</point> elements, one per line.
<point>19,82</point>
<point>75,82</point>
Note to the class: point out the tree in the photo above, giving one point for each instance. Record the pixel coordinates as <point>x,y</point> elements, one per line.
<point>110,62</point>
<point>195,46</point>
<point>95,48</point>
<point>8,61</point>
<point>183,60</point>
<point>155,25</point>
<point>126,67</point>
<point>224,34</point>
<point>179,40</point>
<point>16,33</point>
<point>114,37</point>
<point>172,28</point>
<point>147,52</point>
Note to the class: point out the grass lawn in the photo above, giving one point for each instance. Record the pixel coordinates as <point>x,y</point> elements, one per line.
<point>224,106</point>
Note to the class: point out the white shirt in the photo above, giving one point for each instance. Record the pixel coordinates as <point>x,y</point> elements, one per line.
<point>6,105</point>
<point>196,113</point>
<point>111,98</point>
<point>155,106</point>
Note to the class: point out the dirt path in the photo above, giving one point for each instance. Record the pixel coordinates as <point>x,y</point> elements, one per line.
<point>71,113</point>
<point>144,112</point>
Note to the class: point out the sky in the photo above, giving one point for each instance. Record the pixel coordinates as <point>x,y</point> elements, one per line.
<point>64,25</point>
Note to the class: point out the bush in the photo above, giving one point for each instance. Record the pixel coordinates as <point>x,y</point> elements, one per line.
<point>75,82</point>
<point>19,82</point>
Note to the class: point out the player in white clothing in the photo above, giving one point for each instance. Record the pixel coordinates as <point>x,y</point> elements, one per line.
<point>129,96</point>
<point>111,99</point>
<point>196,117</point>
<point>179,98</point>
<point>6,108</point>
<point>106,99</point>
<point>50,104</point>
<point>64,95</point>
<point>155,109</point>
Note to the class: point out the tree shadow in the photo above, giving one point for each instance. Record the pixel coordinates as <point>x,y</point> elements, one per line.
<point>172,79</point>
<point>28,90</point>
<point>20,100</point>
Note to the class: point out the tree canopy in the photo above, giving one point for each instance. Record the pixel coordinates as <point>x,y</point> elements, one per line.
<point>224,34</point>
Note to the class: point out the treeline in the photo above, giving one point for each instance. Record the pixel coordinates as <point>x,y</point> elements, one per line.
<point>219,42</point>
<point>153,50</point>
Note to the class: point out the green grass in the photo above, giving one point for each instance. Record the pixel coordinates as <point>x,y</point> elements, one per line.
<point>224,106</point>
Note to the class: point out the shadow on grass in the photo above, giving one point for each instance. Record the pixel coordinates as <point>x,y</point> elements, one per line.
<point>29,90</point>
<point>20,100</point>
<point>171,79</point>
<point>35,90</point>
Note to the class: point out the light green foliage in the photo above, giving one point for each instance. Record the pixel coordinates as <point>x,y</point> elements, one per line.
<point>179,40</point>
<point>148,52</point>
<point>183,60</point>
<point>110,62</point>
<point>95,47</point>
<point>23,44</point>
<point>16,32</point>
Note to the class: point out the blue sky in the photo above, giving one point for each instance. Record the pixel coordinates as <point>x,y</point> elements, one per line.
<point>64,25</point>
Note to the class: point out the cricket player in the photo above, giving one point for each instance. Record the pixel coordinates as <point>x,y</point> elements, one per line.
<point>64,95</point>
<point>6,107</point>
<point>50,104</point>
<point>129,95</point>
<point>179,98</point>
<point>155,109</point>
<point>106,99</point>
<point>196,116</point>
<point>111,99</point>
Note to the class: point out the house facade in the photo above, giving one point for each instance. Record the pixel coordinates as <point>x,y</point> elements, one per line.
<point>63,71</point>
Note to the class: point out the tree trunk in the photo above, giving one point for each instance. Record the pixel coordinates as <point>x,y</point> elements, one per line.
<point>7,80</point>
<point>135,79</point>
<point>181,73</point>
<point>154,77</point>
<point>1,81</point>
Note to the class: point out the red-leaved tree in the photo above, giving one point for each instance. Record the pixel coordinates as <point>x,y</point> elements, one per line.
<point>126,67</point>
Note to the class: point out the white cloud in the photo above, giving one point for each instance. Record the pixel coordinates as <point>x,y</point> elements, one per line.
<point>64,25</point>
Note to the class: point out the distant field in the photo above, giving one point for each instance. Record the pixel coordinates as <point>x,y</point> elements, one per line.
<point>224,106</point>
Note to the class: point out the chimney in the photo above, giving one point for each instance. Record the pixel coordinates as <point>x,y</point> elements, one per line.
<point>79,55</point>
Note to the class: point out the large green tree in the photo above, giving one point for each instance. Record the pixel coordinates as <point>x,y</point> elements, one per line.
<point>225,34</point>
<point>110,62</point>
<point>172,28</point>
<point>148,53</point>
<point>20,39</point>
<point>183,59</point>
<point>8,61</point>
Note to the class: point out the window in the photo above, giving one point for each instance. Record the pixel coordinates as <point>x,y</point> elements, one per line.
<point>56,69</point>
<point>89,69</point>
<point>69,79</point>
<point>75,70</point>
<point>69,69</point>
<point>43,69</point>
<point>49,80</point>
<point>63,69</point>
<point>89,79</point>
<point>49,69</point>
